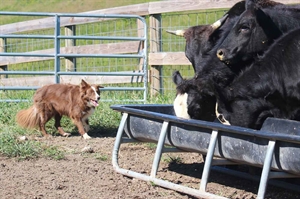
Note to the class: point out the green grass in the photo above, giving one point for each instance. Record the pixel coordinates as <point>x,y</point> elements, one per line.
<point>172,160</point>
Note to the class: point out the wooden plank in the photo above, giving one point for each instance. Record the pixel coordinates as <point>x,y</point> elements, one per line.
<point>72,79</point>
<point>193,5</point>
<point>112,48</point>
<point>70,62</point>
<point>168,58</point>
<point>2,50</point>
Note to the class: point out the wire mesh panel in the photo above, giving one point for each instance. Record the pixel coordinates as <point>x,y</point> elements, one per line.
<point>172,43</point>
<point>102,49</point>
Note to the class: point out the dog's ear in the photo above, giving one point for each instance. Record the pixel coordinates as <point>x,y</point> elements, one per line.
<point>99,86</point>
<point>84,85</point>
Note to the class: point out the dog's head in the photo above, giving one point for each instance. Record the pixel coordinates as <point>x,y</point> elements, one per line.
<point>90,93</point>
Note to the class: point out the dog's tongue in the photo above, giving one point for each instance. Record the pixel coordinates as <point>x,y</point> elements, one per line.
<point>95,103</point>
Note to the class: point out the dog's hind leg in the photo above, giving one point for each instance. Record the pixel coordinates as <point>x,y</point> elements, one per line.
<point>44,119</point>
<point>61,131</point>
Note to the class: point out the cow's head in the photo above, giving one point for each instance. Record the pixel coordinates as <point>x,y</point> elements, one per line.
<point>189,102</point>
<point>251,35</point>
<point>199,41</point>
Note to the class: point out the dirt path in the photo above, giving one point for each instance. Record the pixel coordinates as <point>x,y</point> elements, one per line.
<point>91,175</point>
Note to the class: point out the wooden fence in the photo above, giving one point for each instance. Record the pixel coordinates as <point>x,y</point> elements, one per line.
<point>156,58</point>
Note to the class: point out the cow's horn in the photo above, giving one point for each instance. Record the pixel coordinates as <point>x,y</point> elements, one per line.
<point>177,32</point>
<point>218,23</point>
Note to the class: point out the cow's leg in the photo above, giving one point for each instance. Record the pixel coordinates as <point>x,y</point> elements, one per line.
<point>61,131</point>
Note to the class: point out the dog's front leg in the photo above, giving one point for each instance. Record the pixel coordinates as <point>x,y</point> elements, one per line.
<point>86,125</point>
<point>81,129</point>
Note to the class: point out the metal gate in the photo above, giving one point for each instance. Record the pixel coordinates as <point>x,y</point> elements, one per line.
<point>125,47</point>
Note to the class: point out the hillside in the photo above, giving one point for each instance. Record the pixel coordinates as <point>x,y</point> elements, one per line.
<point>72,6</point>
<point>58,6</point>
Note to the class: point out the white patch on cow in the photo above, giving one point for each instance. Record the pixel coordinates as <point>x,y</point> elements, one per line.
<point>221,117</point>
<point>86,136</point>
<point>180,106</point>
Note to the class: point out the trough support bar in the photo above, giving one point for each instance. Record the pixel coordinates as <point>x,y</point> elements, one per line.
<point>118,141</point>
<point>266,170</point>
<point>208,160</point>
<point>156,181</point>
<point>159,148</point>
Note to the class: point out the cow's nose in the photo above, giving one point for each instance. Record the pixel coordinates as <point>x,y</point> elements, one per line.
<point>221,54</point>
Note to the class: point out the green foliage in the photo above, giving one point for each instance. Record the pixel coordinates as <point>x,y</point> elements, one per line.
<point>53,152</point>
<point>171,160</point>
<point>151,145</point>
<point>11,146</point>
<point>101,157</point>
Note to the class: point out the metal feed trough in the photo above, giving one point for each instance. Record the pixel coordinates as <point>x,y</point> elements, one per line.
<point>275,148</point>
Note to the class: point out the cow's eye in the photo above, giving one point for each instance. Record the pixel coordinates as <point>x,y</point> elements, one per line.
<point>244,28</point>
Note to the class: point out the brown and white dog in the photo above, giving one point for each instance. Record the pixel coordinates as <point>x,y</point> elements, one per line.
<point>75,101</point>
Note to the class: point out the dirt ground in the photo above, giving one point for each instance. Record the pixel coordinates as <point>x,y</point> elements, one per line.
<point>91,175</point>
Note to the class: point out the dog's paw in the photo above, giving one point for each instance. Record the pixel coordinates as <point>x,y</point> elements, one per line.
<point>66,134</point>
<point>86,136</point>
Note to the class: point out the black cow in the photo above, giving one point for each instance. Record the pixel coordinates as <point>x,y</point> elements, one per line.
<point>255,31</point>
<point>191,104</point>
<point>201,39</point>
<point>270,87</point>
<point>201,42</point>
<point>194,98</point>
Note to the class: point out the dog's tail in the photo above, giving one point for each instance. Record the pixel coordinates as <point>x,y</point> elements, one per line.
<point>28,118</point>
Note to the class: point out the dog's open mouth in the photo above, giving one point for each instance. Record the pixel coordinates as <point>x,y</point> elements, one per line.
<point>94,102</point>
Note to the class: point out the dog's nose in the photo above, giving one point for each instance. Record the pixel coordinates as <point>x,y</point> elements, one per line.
<point>98,98</point>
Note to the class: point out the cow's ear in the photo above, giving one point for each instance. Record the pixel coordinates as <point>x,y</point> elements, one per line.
<point>177,78</point>
<point>237,9</point>
<point>268,25</point>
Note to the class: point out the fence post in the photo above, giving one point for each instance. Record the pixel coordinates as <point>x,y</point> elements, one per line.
<point>70,62</point>
<point>155,46</point>
<point>2,50</point>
